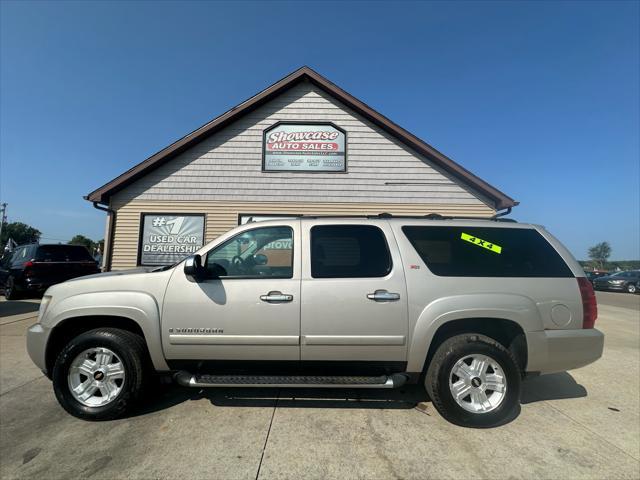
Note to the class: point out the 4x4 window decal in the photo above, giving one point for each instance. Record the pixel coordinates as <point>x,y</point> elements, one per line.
<point>481,243</point>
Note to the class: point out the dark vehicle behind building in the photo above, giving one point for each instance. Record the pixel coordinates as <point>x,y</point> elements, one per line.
<point>34,268</point>
<point>621,281</point>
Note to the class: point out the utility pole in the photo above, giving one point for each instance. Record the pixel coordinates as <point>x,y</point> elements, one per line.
<point>3,216</point>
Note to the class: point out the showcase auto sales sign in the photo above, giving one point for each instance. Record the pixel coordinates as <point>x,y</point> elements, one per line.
<point>304,147</point>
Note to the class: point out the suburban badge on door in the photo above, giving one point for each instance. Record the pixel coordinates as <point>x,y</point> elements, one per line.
<point>195,331</point>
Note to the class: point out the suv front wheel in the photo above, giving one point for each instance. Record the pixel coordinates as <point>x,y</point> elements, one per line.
<point>474,381</point>
<point>99,375</point>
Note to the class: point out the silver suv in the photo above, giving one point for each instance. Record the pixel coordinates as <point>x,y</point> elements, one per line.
<point>465,306</point>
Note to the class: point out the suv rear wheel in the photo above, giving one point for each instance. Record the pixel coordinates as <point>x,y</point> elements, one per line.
<point>99,375</point>
<point>632,288</point>
<point>474,381</point>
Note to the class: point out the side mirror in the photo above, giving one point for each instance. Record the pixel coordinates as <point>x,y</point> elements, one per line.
<point>260,259</point>
<point>193,268</point>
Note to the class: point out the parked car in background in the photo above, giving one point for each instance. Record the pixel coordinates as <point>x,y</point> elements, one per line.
<point>621,281</point>
<point>591,276</point>
<point>34,268</point>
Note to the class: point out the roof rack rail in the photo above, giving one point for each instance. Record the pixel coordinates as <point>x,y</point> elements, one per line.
<point>436,216</point>
<point>428,216</point>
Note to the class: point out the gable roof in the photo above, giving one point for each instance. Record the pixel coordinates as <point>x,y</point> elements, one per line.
<point>102,194</point>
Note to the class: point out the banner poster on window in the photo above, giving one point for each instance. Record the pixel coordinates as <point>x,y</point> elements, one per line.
<point>166,239</point>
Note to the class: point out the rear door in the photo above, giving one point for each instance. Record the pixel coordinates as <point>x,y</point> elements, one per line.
<point>354,298</point>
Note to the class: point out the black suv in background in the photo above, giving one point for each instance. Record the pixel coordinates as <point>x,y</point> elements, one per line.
<point>628,281</point>
<point>34,268</point>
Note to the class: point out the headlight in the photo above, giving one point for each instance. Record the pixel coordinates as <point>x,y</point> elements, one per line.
<point>43,306</point>
<point>616,282</point>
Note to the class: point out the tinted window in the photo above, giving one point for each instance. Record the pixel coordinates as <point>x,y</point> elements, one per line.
<point>261,252</point>
<point>486,252</point>
<point>19,254</point>
<point>63,253</point>
<point>349,251</point>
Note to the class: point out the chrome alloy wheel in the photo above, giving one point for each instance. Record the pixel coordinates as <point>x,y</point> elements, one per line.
<point>478,383</point>
<point>96,377</point>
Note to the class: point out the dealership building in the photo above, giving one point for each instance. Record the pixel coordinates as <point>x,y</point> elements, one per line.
<point>302,146</point>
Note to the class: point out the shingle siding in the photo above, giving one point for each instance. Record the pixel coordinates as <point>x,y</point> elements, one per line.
<point>228,165</point>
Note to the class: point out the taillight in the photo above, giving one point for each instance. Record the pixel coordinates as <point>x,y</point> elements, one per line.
<point>589,305</point>
<point>27,268</point>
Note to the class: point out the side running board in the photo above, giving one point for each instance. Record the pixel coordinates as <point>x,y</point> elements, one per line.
<point>187,379</point>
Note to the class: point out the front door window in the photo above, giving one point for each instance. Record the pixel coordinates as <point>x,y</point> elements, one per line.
<point>259,253</point>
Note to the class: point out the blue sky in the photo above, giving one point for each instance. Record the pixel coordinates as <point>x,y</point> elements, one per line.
<point>541,99</point>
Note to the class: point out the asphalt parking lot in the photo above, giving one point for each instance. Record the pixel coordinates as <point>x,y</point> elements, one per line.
<point>580,424</point>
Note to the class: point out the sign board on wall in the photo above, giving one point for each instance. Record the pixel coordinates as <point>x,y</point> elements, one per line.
<point>167,238</point>
<point>304,147</point>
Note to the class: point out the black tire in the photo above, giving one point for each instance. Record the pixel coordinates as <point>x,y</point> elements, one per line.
<point>632,288</point>
<point>130,349</point>
<point>10,289</point>
<point>438,373</point>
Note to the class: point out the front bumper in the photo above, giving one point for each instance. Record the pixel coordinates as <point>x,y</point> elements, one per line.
<point>553,351</point>
<point>37,337</point>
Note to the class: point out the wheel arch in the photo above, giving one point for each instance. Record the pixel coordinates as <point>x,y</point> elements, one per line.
<point>71,327</point>
<point>504,331</point>
<point>505,318</point>
<point>137,312</point>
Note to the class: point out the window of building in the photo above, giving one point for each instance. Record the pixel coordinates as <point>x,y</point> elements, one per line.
<point>259,253</point>
<point>486,252</point>
<point>349,251</point>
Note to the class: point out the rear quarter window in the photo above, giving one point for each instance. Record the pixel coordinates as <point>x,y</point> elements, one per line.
<point>486,252</point>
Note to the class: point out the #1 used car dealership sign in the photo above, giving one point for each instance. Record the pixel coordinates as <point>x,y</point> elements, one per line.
<point>167,238</point>
<point>316,147</point>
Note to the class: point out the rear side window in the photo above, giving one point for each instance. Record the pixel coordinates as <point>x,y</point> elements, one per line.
<point>19,254</point>
<point>63,253</point>
<point>349,251</point>
<point>486,252</point>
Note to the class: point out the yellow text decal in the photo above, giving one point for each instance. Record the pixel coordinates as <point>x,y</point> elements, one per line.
<point>481,243</point>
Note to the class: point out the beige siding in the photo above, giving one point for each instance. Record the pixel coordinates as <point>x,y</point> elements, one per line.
<point>222,216</point>
<point>228,165</point>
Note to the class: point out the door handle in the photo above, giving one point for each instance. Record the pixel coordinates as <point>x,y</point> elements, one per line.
<point>383,296</point>
<point>276,297</point>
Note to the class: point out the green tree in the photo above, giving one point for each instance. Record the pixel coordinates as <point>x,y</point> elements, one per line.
<point>85,241</point>
<point>599,253</point>
<point>20,233</point>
